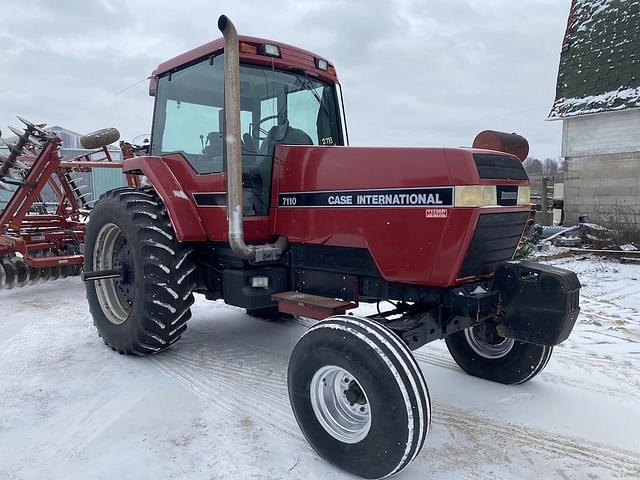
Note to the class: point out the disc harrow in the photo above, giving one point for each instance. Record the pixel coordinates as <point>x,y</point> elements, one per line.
<point>42,241</point>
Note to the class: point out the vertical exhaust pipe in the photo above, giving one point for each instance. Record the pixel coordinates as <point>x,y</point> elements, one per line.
<point>233,148</point>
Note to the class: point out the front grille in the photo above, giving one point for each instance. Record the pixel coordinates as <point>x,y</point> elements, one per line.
<point>499,167</point>
<point>494,242</point>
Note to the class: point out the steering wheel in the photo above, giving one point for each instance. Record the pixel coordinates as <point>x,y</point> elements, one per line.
<point>262,130</point>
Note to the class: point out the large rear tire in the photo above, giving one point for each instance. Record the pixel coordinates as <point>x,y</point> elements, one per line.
<point>359,396</point>
<point>146,310</point>
<point>482,353</point>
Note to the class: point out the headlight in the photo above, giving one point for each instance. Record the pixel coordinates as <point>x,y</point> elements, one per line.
<point>524,195</point>
<point>475,196</point>
<point>322,64</point>
<point>270,50</point>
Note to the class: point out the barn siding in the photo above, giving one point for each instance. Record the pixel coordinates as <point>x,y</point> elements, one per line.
<point>602,178</point>
<point>604,187</point>
<point>613,132</point>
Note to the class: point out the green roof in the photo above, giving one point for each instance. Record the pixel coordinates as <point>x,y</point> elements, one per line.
<point>600,60</point>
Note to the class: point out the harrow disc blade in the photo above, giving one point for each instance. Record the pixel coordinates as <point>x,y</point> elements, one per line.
<point>65,270</point>
<point>22,272</point>
<point>33,127</point>
<point>44,274</point>
<point>34,275</point>
<point>10,146</point>
<point>16,132</point>
<point>26,122</point>
<point>55,272</point>
<point>10,274</point>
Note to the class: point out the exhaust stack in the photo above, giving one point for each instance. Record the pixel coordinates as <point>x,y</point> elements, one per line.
<point>255,253</point>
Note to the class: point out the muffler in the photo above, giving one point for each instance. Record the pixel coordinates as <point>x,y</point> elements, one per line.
<point>254,253</point>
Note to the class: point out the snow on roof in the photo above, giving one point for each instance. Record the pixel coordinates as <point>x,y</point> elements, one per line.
<point>600,60</point>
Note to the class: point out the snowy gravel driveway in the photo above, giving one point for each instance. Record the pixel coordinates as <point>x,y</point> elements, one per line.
<point>215,406</point>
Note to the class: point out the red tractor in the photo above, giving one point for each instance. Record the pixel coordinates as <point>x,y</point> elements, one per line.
<point>251,195</point>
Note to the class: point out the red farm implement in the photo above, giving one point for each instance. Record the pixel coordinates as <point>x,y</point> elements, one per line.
<point>41,240</point>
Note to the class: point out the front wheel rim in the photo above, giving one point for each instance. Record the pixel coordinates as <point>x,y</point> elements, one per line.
<point>487,349</point>
<point>340,404</point>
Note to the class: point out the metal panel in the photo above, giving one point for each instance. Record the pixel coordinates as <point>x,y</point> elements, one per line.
<point>105,179</point>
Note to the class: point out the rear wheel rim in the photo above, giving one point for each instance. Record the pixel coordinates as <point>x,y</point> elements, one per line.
<point>340,404</point>
<point>498,348</point>
<point>115,304</point>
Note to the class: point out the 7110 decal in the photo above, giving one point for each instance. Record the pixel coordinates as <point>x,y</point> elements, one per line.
<point>399,197</point>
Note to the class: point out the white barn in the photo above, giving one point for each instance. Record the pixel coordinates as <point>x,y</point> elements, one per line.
<point>598,101</point>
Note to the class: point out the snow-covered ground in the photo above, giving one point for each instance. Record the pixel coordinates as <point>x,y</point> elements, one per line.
<point>215,406</point>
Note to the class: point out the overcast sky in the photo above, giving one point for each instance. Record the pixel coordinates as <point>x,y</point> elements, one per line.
<point>414,72</point>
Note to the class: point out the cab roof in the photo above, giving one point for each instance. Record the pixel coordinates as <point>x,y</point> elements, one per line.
<point>290,57</point>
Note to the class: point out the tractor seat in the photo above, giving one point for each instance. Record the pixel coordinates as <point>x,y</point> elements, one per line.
<point>285,135</point>
<point>279,134</point>
<point>211,159</point>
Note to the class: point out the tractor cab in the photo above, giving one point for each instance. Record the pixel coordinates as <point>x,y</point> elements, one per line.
<point>292,104</point>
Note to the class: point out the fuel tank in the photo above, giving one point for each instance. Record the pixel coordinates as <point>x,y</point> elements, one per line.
<point>427,216</point>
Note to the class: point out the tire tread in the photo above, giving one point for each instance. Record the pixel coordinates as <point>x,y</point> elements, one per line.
<point>168,272</point>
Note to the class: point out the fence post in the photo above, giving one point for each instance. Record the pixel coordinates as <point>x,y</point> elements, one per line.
<point>544,202</point>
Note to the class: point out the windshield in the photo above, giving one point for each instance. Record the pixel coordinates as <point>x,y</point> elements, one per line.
<point>277,107</point>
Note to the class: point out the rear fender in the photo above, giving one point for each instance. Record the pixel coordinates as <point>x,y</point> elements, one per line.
<point>182,212</point>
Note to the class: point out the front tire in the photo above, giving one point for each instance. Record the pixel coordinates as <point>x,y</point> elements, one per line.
<point>358,396</point>
<point>146,310</point>
<point>481,352</point>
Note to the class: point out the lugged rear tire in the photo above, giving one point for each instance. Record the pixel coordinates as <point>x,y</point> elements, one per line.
<point>502,360</point>
<point>147,311</point>
<point>384,424</point>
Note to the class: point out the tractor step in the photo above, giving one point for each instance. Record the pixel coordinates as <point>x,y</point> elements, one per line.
<point>313,306</point>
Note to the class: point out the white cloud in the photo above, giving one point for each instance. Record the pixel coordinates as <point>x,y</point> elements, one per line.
<point>414,72</point>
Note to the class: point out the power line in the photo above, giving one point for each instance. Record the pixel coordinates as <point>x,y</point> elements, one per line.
<point>133,85</point>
